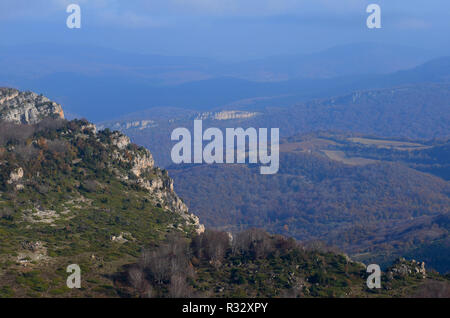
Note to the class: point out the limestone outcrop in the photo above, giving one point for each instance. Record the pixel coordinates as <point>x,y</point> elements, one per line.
<point>26,107</point>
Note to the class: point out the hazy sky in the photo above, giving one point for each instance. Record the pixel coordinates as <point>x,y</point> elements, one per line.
<point>227,29</point>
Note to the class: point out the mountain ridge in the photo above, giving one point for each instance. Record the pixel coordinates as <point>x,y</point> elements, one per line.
<point>72,194</point>
<point>204,93</point>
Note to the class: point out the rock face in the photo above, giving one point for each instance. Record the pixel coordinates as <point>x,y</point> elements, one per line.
<point>26,107</point>
<point>156,181</point>
<point>126,161</point>
<point>15,175</point>
<point>226,115</point>
<point>136,124</point>
<point>404,268</point>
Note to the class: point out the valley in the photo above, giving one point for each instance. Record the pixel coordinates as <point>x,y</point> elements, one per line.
<point>365,198</point>
<point>206,153</point>
<point>360,168</point>
<point>70,194</point>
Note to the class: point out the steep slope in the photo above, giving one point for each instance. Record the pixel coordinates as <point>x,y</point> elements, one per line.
<point>72,195</point>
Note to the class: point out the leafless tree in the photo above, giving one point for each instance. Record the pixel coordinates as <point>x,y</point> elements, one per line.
<point>254,242</point>
<point>179,288</point>
<point>167,260</point>
<point>50,124</point>
<point>212,245</point>
<point>58,146</point>
<point>6,213</point>
<point>434,289</point>
<point>138,281</point>
<point>11,132</point>
<point>90,185</point>
<point>26,152</point>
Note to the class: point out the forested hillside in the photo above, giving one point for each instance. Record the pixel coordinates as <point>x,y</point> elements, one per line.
<point>416,111</point>
<point>327,188</point>
<point>71,195</point>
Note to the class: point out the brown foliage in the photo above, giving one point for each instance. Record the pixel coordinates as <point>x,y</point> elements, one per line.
<point>178,287</point>
<point>211,245</point>
<point>255,242</point>
<point>433,289</point>
<point>167,260</point>
<point>138,281</point>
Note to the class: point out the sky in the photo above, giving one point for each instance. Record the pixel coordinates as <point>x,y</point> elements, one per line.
<point>226,29</point>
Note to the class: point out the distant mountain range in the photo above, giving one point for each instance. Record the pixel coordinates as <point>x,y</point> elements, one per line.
<point>413,111</point>
<point>364,163</point>
<point>27,61</point>
<point>101,84</point>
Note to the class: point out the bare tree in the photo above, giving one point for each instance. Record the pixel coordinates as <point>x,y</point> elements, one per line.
<point>253,242</point>
<point>179,288</point>
<point>211,245</point>
<point>138,281</point>
<point>433,289</point>
<point>167,260</point>
<point>58,146</point>
<point>26,152</point>
<point>15,133</point>
<point>50,124</point>
<point>6,213</point>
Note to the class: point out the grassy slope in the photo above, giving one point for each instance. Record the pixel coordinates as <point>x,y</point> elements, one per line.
<point>84,205</point>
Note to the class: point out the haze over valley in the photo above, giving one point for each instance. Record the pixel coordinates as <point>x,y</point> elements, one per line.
<point>224,149</point>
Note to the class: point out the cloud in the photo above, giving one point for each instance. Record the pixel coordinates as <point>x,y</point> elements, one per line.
<point>130,19</point>
<point>250,7</point>
<point>106,12</point>
<point>42,9</point>
<point>412,24</point>
<point>36,9</point>
<point>160,13</point>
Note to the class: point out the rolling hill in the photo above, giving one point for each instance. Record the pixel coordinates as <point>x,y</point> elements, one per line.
<point>70,194</point>
<point>412,111</point>
<point>373,203</point>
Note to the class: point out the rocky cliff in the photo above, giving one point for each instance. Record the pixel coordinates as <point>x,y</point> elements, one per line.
<point>226,115</point>
<point>159,185</point>
<point>107,154</point>
<point>26,107</point>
